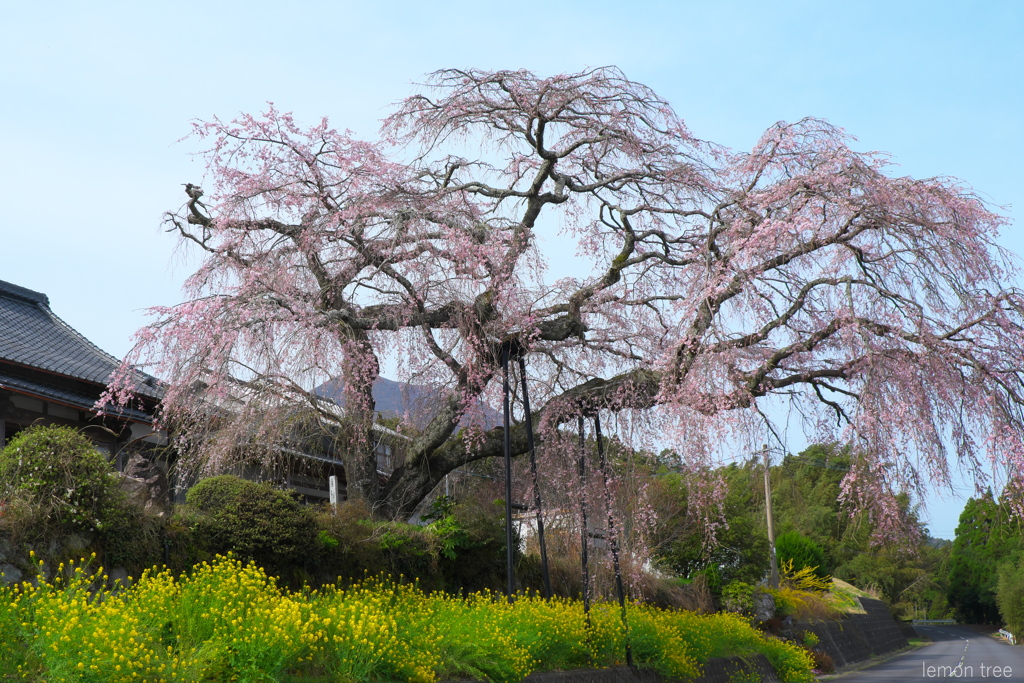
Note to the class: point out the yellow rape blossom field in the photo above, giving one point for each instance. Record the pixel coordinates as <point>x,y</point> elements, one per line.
<point>231,622</point>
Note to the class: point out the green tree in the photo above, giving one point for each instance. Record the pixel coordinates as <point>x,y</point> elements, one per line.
<point>738,551</point>
<point>807,505</point>
<point>986,537</point>
<point>806,494</point>
<point>806,498</point>
<point>1010,596</point>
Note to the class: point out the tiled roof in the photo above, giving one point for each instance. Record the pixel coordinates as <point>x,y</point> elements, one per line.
<point>31,335</point>
<point>65,396</point>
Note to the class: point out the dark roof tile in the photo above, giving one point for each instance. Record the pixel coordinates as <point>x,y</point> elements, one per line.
<point>65,396</point>
<point>31,335</point>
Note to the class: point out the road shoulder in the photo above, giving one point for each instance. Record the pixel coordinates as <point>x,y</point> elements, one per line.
<point>841,672</point>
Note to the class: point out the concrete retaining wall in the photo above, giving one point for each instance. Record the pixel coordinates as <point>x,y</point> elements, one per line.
<point>719,670</point>
<point>725,669</point>
<point>859,636</point>
<point>618,674</point>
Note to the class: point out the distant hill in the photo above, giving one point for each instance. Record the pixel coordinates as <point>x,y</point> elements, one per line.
<point>416,404</point>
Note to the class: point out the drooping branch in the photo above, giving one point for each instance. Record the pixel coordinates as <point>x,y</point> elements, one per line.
<point>717,280</point>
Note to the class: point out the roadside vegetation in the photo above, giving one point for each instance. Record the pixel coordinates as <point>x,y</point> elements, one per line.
<point>813,530</point>
<point>229,621</point>
<point>986,568</point>
<point>254,585</point>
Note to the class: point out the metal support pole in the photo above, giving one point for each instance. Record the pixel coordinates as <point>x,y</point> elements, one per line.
<point>612,537</point>
<point>508,479</point>
<point>537,504</point>
<point>582,468</point>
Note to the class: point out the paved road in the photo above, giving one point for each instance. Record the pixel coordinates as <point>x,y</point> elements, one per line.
<point>960,653</point>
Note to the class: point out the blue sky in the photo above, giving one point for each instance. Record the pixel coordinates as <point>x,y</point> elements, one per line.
<point>95,95</point>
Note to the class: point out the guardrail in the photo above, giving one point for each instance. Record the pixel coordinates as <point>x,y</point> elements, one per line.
<point>934,622</point>
<point>1009,636</point>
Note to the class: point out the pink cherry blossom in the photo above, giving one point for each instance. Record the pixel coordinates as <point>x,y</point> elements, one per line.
<point>878,307</point>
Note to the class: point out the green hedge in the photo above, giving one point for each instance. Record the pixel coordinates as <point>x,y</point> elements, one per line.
<point>53,482</point>
<point>57,481</point>
<point>253,520</point>
<point>461,548</point>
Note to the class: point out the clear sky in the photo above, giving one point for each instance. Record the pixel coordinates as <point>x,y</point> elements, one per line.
<point>94,96</point>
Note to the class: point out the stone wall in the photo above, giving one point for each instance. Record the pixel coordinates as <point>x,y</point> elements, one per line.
<point>725,669</point>
<point>718,670</point>
<point>17,565</point>
<point>857,637</point>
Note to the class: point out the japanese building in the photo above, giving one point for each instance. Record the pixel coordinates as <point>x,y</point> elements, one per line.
<point>51,374</point>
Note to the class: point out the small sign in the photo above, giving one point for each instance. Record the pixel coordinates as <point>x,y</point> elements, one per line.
<point>332,484</point>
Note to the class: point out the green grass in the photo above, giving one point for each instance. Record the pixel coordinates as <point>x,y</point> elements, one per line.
<point>845,597</point>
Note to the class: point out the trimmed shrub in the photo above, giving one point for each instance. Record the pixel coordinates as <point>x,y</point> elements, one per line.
<point>134,540</point>
<point>53,480</point>
<point>252,520</point>
<point>802,552</point>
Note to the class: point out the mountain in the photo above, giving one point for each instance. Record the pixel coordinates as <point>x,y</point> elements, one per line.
<point>413,403</point>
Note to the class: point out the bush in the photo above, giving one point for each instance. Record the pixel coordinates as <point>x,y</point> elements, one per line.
<point>803,594</point>
<point>253,520</point>
<point>822,661</point>
<point>802,552</point>
<point>738,597</point>
<point>53,480</point>
<point>460,549</point>
<point>353,544</point>
<point>134,540</point>
<point>472,543</point>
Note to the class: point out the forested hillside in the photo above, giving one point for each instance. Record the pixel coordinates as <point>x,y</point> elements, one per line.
<point>810,522</point>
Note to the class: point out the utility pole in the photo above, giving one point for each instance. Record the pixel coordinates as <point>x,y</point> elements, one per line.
<point>582,470</point>
<point>537,504</point>
<point>771,522</point>
<point>613,540</point>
